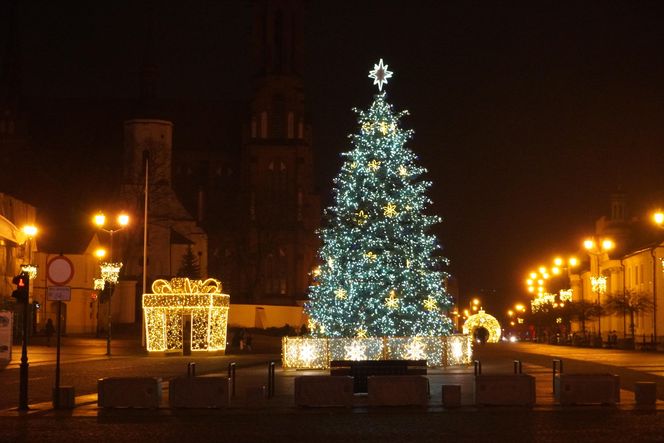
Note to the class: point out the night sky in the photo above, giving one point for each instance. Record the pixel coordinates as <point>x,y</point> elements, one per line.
<point>526,114</point>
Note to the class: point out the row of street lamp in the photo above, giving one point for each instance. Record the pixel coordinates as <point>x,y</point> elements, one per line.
<point>595,247</point>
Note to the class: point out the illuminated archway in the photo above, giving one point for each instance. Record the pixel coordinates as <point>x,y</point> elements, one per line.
<point>483,320</point>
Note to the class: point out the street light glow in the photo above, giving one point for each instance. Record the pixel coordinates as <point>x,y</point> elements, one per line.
<point>573,261</point>
<point>99,219</point>
<point>607,244</point>
<point>123,219</point>
<point>558,261</point>
<point>658,217</point>
<point>100,253</point>
<point>589,244</point>
<point>30,230</point>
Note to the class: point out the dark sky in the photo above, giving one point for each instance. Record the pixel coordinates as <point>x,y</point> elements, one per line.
<point>526,114</point>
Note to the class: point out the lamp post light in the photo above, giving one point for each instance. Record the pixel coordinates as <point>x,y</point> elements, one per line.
<point>596,248</point>
<point>110,270</point>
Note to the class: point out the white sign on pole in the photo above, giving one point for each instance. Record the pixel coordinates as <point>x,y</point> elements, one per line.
<point>59,293</point>
<point>5,337</point>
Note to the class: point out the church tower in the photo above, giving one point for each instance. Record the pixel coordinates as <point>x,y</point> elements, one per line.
<point>148,151</point>
<point>280,210</point>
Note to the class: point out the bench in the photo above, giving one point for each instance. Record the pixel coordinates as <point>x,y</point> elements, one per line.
<point>361,369</point>
<point>323,390</point>
<point>587,388</point>
<point>129,392</point>
<point>199,392</point>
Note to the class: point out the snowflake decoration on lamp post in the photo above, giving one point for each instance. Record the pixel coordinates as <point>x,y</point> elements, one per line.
<point>380,74</point>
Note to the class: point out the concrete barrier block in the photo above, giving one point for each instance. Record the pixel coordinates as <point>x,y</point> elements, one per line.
<point>587,388</point>
<point>451,396</point>
<point>199,392</point>
<point>398,390</point>
<point>645,393</point>
<point>323,390</point>
<point>129,392</point>
<point>505,390</point>
<point>63,398</point>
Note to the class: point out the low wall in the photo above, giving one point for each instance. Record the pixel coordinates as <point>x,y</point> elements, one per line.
<point>265,316</point>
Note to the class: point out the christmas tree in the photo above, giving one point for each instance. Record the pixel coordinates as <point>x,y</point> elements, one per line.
<point>380,273</point>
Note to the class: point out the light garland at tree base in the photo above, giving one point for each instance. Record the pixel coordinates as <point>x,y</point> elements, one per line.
<point>316,353</point>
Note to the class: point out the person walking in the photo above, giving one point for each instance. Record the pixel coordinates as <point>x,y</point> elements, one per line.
<point>49,329</point>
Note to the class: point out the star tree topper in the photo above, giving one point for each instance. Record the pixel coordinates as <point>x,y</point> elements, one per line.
<point>380,74</point>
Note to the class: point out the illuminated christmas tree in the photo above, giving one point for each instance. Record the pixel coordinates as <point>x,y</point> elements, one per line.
<point>380,273</point>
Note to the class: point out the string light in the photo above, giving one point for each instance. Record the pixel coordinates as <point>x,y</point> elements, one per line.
<point>486,321</point>
<point>171,300</point>
<point>378,222</point>
<point>316,353</point>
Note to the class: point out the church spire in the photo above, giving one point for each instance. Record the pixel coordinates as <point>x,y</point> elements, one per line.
<point>278,35</point>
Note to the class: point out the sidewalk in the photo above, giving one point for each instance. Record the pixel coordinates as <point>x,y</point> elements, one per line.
<point>73,348</point>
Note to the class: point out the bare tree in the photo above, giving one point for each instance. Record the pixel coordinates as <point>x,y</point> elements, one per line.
<point>629,302</point>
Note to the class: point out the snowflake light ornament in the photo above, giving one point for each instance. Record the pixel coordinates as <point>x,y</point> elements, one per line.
<point>380,74</point>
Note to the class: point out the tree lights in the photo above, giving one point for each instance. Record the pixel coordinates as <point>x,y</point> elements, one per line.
<point>381,272</point>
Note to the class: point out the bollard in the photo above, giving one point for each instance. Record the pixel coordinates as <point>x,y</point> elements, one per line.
<point>478,367</point>
<point>270,379</point>
<point>191,369</point>
<point>518,369</point>
<point>557,362</point>
<point>231,376</point>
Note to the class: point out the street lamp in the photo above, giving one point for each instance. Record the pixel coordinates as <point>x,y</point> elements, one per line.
<point>658,219</point>
<point>596,248</point>
<point>110,270</point>
<point>30,231</point>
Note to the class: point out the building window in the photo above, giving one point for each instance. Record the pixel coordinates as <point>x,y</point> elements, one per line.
<point>299,204</point>
<point>263,124</point>
<point>291,125</point>
<point>254,129</point>
<point>300,129</point>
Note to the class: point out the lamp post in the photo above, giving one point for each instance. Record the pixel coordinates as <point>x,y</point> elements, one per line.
<point>30,232</point>
<point>110,270</point>
<point>658,219</point>
<point>596,248</point>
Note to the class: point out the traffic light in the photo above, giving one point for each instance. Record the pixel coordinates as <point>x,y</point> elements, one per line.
<point>22,282</point>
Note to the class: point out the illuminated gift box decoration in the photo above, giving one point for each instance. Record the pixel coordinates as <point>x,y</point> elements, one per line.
<point>316,353</point>
<point>166,308</point>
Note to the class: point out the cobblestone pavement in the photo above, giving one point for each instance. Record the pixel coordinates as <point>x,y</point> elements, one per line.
<point>254,418</point>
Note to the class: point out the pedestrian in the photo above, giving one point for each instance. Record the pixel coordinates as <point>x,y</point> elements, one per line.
<point>49,329</point>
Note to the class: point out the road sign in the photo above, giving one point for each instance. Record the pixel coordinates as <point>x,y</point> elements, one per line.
<point>59,293</point>
<point>60,270</point>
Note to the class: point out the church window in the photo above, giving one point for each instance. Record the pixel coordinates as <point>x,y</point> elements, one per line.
<point>279,116</point>
<point>299,204</point>
<point>291,125</point>
<point>300,129</point>
<point>263,124</point>
<point>254,131</point>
